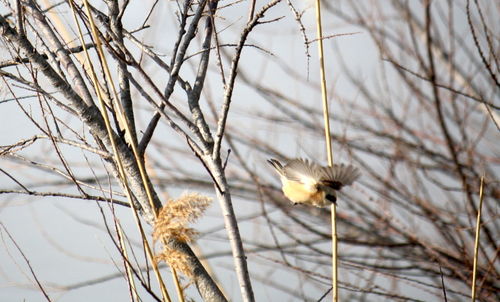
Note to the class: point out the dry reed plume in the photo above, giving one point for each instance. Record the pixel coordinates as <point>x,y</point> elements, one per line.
<point>171,224</point>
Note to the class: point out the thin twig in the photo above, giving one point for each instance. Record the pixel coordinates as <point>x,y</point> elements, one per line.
<point>334,36</point>
<point>173,76</point>
<point>442,284</point>
<point>476,243</point>
<point>451,89</point>
<point>194,95</point>
<point>67,51</point>
<point>221,125</point>
<point>26,190</point>
<point>251,10</point>
<point>27,262</point>
<point>438,104</point>
<point>325,294</point>
<point>478,46</point>
<point>65,195</point>
<point>302,29</point>
<point>128,267</point>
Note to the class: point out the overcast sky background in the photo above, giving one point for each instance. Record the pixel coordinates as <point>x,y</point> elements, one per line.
<point>64,239</point>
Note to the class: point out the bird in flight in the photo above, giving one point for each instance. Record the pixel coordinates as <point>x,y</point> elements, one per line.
<point>309,183</point>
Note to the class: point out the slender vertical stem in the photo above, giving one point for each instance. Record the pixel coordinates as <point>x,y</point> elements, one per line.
<point>323,85</point>
<point>126,263</point>
<point>133,143</point>
<point>118,160</point>
<point>333,211</point>
<point>328,149</point>
<point>178,287</point>
<point>476,244</point>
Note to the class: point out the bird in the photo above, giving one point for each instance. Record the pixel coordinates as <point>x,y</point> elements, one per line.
<point>306,182</point>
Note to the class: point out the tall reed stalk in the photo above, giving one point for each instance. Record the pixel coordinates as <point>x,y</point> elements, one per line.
<point>118,160</point>
<point>329,151</point>
<point>476,244</point>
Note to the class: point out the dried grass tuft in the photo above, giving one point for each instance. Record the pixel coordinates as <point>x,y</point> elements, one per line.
<point>171,224</point>
<point>176,260</point>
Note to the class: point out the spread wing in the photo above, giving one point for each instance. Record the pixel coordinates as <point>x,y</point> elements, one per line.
<point>338,176</point>
<point>303,171</point>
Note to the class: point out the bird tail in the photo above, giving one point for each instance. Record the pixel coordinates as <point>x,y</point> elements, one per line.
<point>276,165</point>
<point>341,175</point>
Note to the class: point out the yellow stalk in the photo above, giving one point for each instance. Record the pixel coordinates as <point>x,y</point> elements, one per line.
<point>137,156</point>
<point>121,112</point>
<point>114,146</point>
<point>476,244</point>
<point>132,142</point>
<point>63,31</point>
<point>328,149</point>
<point>128,269</point>
<point>177,285</point>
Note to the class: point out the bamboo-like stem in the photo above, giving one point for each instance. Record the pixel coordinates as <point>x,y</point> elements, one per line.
<point>329,152</point>
<point>128,269</point>
<point>137,155</point>
<point>476,244</point>
<point>121,169</point>
<point>121,113</point>
<point>333,211</point>
<point>61,29</point>
<point>178,287</point>
<point>323,84</point>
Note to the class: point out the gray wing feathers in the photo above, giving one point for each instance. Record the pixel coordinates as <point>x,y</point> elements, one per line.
<point>276,164</point>
<point>344,174</point>
<point>299,169</point>
<point>305,171</point>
